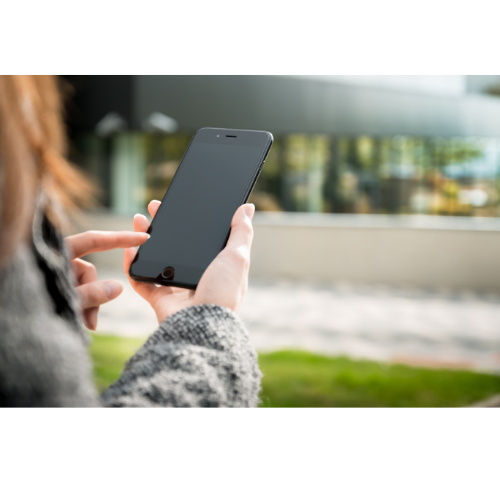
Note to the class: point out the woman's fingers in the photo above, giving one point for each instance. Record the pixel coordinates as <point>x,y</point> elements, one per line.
<point>92,292</point>
<point>99,292</point>
<point>153,207</point>
<point>145,290</point>
<point>90,318</point>
<point>141,223</point>
<point>93,295</point>
<point>226,279</point>
<point>99,241</point>
<point>241,236</point>
<point>84,271</point>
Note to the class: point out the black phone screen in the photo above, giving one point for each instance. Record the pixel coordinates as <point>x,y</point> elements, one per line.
<point>191,227</point>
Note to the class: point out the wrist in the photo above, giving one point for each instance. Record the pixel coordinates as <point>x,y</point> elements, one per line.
<point>165,311</point>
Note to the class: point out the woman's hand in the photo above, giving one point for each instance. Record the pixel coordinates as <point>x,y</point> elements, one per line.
<point>224,282</point>
<point>92,292</point>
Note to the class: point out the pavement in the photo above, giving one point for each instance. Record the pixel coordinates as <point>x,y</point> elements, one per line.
<point>446,328</point>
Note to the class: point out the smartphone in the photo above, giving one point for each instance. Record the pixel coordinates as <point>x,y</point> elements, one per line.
<point>192,225</point>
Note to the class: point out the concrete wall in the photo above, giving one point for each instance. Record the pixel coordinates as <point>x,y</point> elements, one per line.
<point>393,255</point>
<point>418,250</point>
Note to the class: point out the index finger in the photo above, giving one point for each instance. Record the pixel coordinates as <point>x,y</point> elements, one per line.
<point>100,241</point>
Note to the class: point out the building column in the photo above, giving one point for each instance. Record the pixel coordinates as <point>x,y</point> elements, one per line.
<point>128,177</point>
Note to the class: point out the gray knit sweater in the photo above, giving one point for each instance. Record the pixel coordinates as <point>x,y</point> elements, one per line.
<point>199,356</point>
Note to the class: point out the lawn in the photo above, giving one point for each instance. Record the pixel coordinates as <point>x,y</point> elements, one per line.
<point>302,379</point>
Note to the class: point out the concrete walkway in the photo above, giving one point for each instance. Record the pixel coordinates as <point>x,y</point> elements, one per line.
<point>433,328</point>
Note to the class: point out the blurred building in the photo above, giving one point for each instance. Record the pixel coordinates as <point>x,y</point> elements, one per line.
<point>344,144</point>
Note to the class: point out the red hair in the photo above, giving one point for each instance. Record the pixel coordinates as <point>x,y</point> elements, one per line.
<point>33,146</point>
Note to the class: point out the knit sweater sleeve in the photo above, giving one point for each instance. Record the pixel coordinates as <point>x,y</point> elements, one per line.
<point>199,356</point>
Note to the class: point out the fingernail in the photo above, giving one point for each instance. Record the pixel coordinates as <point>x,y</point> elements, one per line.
<point>113,289</point>
<point>250,210</point>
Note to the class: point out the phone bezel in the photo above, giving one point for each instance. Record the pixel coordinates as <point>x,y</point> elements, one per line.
<point>222,132</point>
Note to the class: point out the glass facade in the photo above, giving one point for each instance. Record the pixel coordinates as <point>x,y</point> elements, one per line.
<point>315,173</point>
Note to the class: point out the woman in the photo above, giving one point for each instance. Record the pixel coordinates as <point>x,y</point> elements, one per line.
<point>199,356</point>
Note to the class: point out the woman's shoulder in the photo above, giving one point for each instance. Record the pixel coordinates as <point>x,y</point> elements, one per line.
<point>43,357</point>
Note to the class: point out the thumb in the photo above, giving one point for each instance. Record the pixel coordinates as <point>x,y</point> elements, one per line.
<point>97,293</point>
<point>241,227</point>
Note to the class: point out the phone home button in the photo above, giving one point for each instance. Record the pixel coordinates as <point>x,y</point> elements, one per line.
<point>168,273</point>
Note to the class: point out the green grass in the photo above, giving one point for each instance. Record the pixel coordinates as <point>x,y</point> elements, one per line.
<point>302,379</point>
<point>109,354</point>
